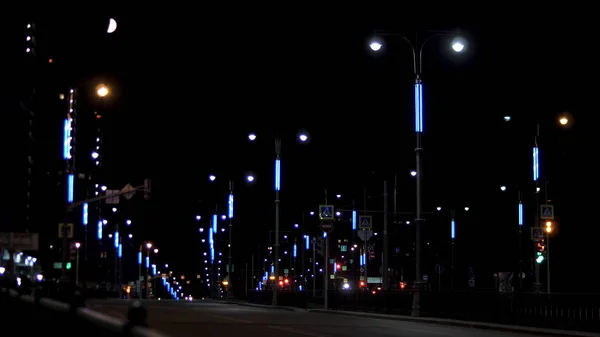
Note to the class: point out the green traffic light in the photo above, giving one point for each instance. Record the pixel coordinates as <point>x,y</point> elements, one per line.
<point>540,258</point>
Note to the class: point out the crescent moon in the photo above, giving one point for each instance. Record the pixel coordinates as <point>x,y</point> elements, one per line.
<point>112,26</point>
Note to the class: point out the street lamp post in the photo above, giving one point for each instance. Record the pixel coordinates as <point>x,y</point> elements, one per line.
<point>303,138</point>
<point>277,201</point>
<point>77,245</point>
<point>458,45</point>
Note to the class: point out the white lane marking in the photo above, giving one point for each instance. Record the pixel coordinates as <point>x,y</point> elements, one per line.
<point>298,331</point>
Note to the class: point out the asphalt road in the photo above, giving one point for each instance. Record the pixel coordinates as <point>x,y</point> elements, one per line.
<point>202,318</point>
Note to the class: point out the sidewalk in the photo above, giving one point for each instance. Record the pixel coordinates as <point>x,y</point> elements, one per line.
<point>459,323</point>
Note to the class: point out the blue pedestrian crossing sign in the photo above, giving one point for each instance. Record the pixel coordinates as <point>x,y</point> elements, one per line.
<point>365,222</point>
<point>326,212</point>
<point>547,212</point>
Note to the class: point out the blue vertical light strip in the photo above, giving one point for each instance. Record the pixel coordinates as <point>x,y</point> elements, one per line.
<point>418,107</point>
<point>353,220</point>
<point>212,244</point>
<point>67,139</point>
<point>536,164</point>
<point>120,251</point>
<point>452,229</point>
<point>520,214</point>
<point>99,229</point>
<point>307,240</point>
<point>147,262</point>
<point>214,223</point>
<point>140,258</point>
<point>230,215</point>
<point>153,269</point>
<point>116,239</point>
<point>272,269</point>
<point>295,250</point>
<point>84,219</point>
<point>70,188</point>
<point>324,235</point>
<point>277,174</point>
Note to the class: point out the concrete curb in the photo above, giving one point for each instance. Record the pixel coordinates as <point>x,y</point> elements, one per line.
<point>220,301</point>
<point>270,307</point>
<point>468,324</point>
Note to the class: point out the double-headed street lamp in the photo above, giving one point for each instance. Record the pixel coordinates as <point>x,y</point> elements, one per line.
<point>249,178</point>
<point>458,45</point>
<point>303,138</point>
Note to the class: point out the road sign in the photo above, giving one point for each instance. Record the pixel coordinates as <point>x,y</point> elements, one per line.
<point>68,229</point>
<point>326,226</point>
<point>537,234</point>
<point>365,222</point>
<point>326,212</point>
<point>547,212</point>
<point>128,191</point>
<point>365,234</point>
<point>19,241</point>
<point>112,197</point>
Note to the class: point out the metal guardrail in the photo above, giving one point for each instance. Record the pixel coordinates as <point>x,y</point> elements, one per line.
<point>31,314</point>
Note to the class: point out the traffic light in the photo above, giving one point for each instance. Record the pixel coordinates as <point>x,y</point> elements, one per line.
<point>319,246</point>
<point>549,226</point>
<point>540,251</point>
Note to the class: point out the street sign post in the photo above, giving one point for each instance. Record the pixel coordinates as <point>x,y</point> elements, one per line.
<point>68,229</point>
<point>326,212</point>
<point>326,226</point>
<point>547,212</point>
<point>365,234</point>
<point>19,241</point>
<point>537,234</point>
<point>365,222</point>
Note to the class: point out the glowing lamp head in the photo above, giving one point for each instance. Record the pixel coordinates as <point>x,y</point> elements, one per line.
<point>375,45</point>
<point>459,44</point>
<point>102,90</point>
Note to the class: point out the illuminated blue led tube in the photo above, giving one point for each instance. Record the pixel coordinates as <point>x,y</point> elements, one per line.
<point>453,229</point>
<point>230,206</point>
<point>120,252</point>
<point>536,164</point>
<point>277,175</point>
<point>99,230</point>
<point>418,107</point>
<point>353,220</point>
<point>520,214</point>
<point>84,216</point>
<point>70,188</point>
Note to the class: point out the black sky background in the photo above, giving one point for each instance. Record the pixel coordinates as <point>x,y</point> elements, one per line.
<point>188,89</point>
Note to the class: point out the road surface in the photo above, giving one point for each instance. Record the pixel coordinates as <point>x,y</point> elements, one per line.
<point>208,319</point>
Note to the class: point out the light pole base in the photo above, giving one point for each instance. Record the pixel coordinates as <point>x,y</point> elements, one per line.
<point>416,306</point>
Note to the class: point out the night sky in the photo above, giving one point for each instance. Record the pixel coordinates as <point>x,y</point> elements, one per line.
<point>188,91</point>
